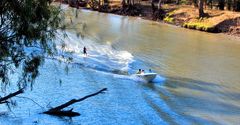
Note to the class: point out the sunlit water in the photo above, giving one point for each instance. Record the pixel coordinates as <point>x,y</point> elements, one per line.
<point>198,81</point>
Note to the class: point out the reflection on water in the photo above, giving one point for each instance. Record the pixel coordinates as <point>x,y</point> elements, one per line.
<point>198,76</point>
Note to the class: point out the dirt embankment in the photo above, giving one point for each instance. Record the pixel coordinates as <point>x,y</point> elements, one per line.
<point>216,21</point>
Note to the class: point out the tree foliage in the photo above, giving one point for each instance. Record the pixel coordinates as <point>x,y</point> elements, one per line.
<point>27,30</point>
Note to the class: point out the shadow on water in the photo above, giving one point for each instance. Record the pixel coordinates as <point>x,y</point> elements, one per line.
<point>201,121</point>
<point>183,95</point>
<point>159,111</point>
<point>201,86</point>
<point>195,83</point>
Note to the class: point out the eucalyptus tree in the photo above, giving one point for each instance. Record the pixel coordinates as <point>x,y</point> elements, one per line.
<point>221,4</point>
<point>236,5</point>
<point>27,32</point>
<point>200,8</point>
<point>159,4</point>
<point>229,4</point>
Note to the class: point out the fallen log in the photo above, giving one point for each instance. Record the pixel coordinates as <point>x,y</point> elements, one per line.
<point>68,113</point>
<point>57,111</point>
<point>4,99</point>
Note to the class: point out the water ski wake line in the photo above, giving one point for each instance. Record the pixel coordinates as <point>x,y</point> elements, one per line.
<point>101,57</point>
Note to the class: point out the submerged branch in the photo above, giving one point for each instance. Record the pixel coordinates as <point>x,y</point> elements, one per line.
<point>59,112</point>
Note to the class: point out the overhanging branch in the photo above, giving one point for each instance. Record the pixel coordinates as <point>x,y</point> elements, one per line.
<point>4,99</point>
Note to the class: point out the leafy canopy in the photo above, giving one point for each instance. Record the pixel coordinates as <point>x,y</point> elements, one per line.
<point>27,30</point>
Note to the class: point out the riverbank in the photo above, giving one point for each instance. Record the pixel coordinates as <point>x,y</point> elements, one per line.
<point>216,21</point>
<point>186,16</point>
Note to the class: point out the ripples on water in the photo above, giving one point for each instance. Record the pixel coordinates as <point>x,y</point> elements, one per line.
<point>103,67</point>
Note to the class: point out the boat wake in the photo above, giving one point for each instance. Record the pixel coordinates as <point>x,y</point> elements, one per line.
<point>100,57</point>
<point>159,79</point>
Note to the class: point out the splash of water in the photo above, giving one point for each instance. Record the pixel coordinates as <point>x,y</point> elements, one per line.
<point>101,57</point>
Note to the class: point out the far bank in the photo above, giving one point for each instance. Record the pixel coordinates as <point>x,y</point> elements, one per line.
<point>214,21</point>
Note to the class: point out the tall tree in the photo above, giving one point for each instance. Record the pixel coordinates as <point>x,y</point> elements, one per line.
<point>229,4</point>
<point>99,5</point>
<point>159,4</point>
<point>221,4</point>
<point>153,7</point>
<point>27,30</point>
<point>210,3</point>
<point>236,5</point>
<point>177,2</point>
<point>200,8</point>
<point>123,3</point>
<point>195,3</point>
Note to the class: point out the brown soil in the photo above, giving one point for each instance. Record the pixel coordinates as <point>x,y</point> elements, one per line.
<point>222,21</point>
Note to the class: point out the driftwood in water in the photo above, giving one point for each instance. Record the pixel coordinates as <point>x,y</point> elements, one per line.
<point>4,99</point>
<point>59,112</point>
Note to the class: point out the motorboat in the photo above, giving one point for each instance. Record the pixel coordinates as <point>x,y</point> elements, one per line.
<point>147,76</point>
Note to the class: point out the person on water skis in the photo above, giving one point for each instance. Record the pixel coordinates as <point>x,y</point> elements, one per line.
<point>85,51</point>
<point>139,71</point>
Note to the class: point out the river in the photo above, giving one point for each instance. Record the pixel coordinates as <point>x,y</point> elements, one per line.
<point>198,81</point>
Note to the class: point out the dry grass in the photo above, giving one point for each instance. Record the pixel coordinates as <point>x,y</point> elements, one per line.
<point>187,16</point>
<point>115,3</point>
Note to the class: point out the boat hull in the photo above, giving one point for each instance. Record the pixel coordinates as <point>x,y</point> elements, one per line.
<point>147,76</point>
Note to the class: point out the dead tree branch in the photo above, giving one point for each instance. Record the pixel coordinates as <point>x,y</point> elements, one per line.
<point>59,112</point>
<point>4,99</point>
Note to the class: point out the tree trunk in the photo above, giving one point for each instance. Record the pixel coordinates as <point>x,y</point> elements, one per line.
<point>205,4</point>
<point>128,2</point>
<point>153,7</point>
<point>238,5</point>
<point>123,3</point>
<point>201,12</point>
<point>229,4</point>
<point>211,4</point>
<point>159,4</point>
<point>99,5</point>
<point>234,5</point>
<point>221,4</point>
<point>195,3</point>
<point>177,2</point>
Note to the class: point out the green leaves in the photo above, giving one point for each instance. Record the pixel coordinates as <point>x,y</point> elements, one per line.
<point>27,30</point>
